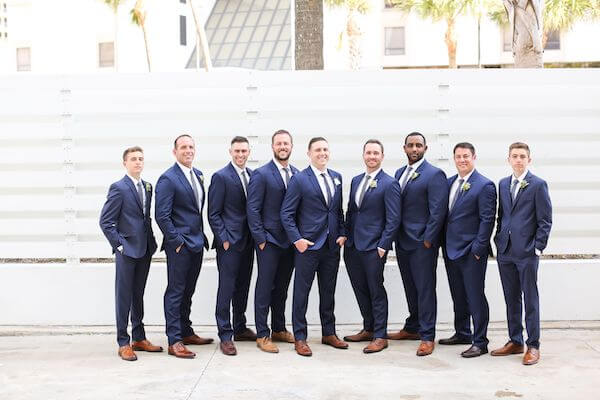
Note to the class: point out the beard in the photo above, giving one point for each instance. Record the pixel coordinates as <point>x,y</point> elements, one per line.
<point>278,158</point>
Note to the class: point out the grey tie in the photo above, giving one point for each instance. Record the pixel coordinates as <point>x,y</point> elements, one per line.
<point>327,189</point>
<point>458,192</point>
<point>195,189</point>
<point>513,189</point>
<point>245,182</point>
<point>363,190</point>
<point>403,184</point>
<point>287,177</point>
<point>141,195</point>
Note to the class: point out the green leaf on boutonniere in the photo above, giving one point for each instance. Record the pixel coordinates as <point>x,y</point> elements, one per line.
<point>148,187</point>
<point>414,176</point>
<point>523,184</point>
<point>373,184</point>
<point>466,186</point>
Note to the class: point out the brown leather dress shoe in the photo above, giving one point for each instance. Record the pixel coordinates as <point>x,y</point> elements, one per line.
<point>246,336</point>
<point>266,345</point>
<point>508,349</point>
<point>228,348</point>
<point>425,348</point>
<point>126,353</point>
<point>403,335</point>
<point>362,336</point>
<point>532,356</point>
<point>302,348</point>
<point>283,336</point>
<point>334,341</point>
<point>195,339</point>
<point>376,346</point>
<point>145,345</point>
<point>179,350</point>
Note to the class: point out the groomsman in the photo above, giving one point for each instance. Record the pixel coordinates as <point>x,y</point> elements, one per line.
<point>471,212</point>
<point>312,217</point>
<point>179,202</point>
<point>372,222</point>
<point>274,253</point>
<point>424,207</point>
<point>126,223</point>
<point>524,223</point>
<point>232,240</point>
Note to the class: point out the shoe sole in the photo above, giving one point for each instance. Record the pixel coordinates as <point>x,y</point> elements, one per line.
<point>374,351</point>
<point>505,354</point>
<point>184,357</point>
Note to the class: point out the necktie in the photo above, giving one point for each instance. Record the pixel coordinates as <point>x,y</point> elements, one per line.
<point>287,177</point>
<point>403,184</point>
<point>458,192</point>
<point>245,182</point>
<point>327,189</point>
<point>363,190</point>
<point>141,196</point>
<point>513,189</point>
<point>195,189</point>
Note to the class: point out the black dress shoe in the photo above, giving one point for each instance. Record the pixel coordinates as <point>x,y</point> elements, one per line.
<point>455,339</point>
<point>473,351</point>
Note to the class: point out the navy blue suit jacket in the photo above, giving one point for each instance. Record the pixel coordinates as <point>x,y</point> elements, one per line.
<point>123,222</point>
<point>470,223</point>
<point>375,223</point>
<point>177,213</point>
<point>424,207</point>
<point>265,196</point>
<point>526,222</point>
<point>227,208</point>
<point>305,213</point>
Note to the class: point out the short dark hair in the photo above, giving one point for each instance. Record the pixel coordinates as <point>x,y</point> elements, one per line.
<point>316,139</point>
<point>281,132</point>
<point>131,150</point>
<point>179,137</point>
<point>373,141</point>
<point>239,139</point>
<point>464,145</point>
<point>519,145</point>
<point>415,134</point>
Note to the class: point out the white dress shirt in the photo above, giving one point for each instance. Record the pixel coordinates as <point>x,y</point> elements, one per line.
<point>186,172</point>
<point>322,182</point>
<point>135,183</point>
<point>362,183</point>
<point>282,172</point>
<point>239,174</point>
<point>414,168</point>
<point>454,188</point>
<point>519,179</point>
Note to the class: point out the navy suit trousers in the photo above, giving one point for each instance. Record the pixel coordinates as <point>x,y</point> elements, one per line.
<point>325,263</point>
<point>466,278</point>
<point>275,267</point>
<point>365,269</point>
<point>183,269</point>
<point>130,282</point>
<point>235,271</point>
<point>417,268</point>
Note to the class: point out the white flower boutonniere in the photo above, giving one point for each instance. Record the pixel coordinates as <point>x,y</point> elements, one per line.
<point>466,186</point>
<point>373,184</point>
<point>201,178</point>
<point>414,176</point>
<point>148,187</point>
<point>337,182</point>
<point>523,184</point>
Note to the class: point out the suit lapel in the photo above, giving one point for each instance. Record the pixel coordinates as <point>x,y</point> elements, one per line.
<point>276,175</point>
<point>335,191</point>
<point>354,188</point>
<point>521,190</point>
<point>148,197</point>
<point>237,179</point>
<point>200,179</point>
<point>409,180</point>
<point>186,184</point>
<point>471,182</point>
<point>313,179</point>
<point>129,183</point>
<point>370,189</point>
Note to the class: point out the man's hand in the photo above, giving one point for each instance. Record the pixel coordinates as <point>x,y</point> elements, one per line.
<point>427,244</point>
<point>302,244</point>
<point>262,245</point>
<point>179,248</point>
<point>341,240</point>
<point>381,252</point>
<point>226,245</point>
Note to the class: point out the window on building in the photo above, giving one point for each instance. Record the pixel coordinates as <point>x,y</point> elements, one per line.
<point>507,38</point>
<point>394,41</point>
<point>182,31</point>
<point>106,54</point>
<point>182,1</point>
<point>553,42</point>
<point>23,59</point>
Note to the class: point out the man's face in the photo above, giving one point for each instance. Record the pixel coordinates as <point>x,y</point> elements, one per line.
<point>464,161</point>
<point>185,150</point>
<point>282,147</point>
<point>134,163</point>
<point>319,154</point>
<point>415,148</point>
<point>239,152</point>
<point>372,156</point>
<point>518,160</point>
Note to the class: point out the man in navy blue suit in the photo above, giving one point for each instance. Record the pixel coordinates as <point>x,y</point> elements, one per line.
<point>126,223</point>
<point>274,253</point>
<point>312,217</point>
<point>471,213</point>
<point>524,223</point>
<point>179,203</point>
<point>234,245</point>
<point>424,207</point>
<point>372,222</point>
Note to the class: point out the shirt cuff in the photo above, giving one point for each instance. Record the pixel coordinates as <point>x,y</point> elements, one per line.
<point>120,248</point>
<point>538,252</point>
<point>379,248</point>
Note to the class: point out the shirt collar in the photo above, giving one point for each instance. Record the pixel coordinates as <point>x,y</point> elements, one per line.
<point>280,167</point>
<point>135,181</point>
<point>185,169</point>
<point>416,165</point>
<point>238,169</point>
<point>519,178</point>
<point>374,173</point>
<point>317,172</point>
<point>466,177</point>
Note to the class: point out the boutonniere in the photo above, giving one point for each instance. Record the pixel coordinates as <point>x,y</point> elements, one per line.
<point>201,178</point>
<point>373,184</point>
<point>523,184</point>
<point>148,187</point>
<point>414,176</point>
<point>466,186</point>
<point>337,182</point>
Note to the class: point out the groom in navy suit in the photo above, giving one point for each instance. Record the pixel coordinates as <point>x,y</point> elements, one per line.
<point>179,202</point>
<point>471,212</point>
<point>424,207</point>
<point>524,223</point>
<point>234,245</point>
<point>312,217</point>
<point>126,223</point>
<point>274,253</point>
<point>372,222</point>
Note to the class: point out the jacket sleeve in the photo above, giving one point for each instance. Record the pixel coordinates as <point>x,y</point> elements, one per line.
<point>289,208</point>
<point>109,216</point>
<point>254,204</point>
<point>486,203</point>
<point>437,198</point>
<point>543,214</point>
<point>163,208</point>
<point>216,203</point>
<point>393,207</point>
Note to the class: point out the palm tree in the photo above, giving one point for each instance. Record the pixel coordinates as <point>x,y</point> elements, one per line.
<point>438,10</point>
<point>352,30</point>
<point>114,5</point>
<point>138,17</point>
<point>201,40</point>
<point>308,30</point>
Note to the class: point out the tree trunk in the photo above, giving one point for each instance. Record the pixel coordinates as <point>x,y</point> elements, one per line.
<point>203,41</point>
<point>451,43</point>
<point>527,42</point>
<point>354,37</point>
<point>146,44</point>
<point>544,39</point>
<point>309,34</point>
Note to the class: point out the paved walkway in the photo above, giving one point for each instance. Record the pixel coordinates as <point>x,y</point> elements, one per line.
<point>69,363</point>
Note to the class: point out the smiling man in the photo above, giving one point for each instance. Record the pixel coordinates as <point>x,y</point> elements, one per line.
<point>312,217</point>
<point>234,245</point>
